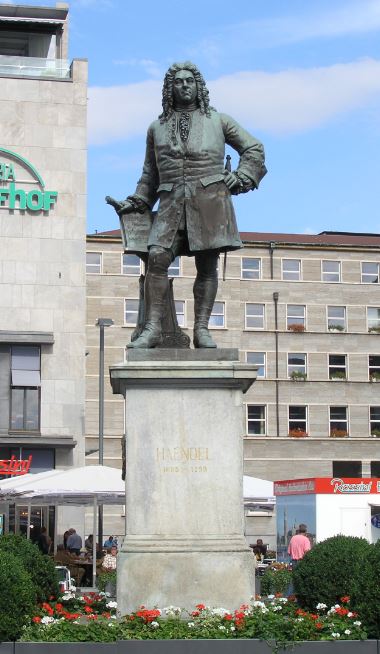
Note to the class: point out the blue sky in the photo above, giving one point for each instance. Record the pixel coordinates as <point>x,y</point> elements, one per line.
<point>302,76</point>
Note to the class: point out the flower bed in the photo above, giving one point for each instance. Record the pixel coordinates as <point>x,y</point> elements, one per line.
<point>278,620</point>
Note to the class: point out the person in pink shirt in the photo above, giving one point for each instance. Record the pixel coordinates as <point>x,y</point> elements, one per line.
<point>299,544</point>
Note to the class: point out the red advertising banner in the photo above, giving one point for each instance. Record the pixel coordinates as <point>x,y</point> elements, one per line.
<point>15,466</point>
<point>328,486</point>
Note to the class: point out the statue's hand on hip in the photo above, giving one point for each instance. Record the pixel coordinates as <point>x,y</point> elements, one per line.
<point>231,180</point>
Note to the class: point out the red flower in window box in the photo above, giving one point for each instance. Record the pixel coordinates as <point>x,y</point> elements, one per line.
<point>296,327</point>
<point>298,433</point>
<point>338,433</point>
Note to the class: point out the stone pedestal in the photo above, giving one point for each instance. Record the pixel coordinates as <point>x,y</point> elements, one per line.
<point>184,484</point>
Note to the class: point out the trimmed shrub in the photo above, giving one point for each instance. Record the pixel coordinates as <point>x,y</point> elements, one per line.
<point>329,571</point>
<point>366,592</point>
<point>17,597</point>
<point>40,567</point>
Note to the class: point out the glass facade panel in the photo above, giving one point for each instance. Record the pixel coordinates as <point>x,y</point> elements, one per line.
<point>291,269</point>
<point>250,268</point>
<point>254,316</point>
<point>256,419</point>
<point>331,271</point>
<point>370,272</point>
<point>336,318</point>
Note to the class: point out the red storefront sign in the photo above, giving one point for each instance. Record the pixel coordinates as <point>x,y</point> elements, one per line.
<point>328,486</point>
<point>15,466</point>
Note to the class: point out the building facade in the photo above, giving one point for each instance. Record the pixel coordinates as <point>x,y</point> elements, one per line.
<point>305,309</point>
<point>43,111</point>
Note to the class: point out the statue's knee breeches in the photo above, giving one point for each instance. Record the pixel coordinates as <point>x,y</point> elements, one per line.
<point>159,260</point>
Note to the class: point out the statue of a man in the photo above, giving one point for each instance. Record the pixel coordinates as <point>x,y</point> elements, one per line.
<point>184,170</point>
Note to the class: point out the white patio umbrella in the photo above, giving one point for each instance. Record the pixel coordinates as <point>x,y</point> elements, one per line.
<point>77,486</point>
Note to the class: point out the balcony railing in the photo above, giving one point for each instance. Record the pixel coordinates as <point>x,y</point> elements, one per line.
<point>34,67</point>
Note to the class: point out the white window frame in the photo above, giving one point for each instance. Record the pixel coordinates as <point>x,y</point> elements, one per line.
<point>261,365</point>
<point>131,274</point>
<point>374,368</point>
<point>296,320</point>
<point>93,265</point>
<point>374,423</point>
<point>247,316</point>
<point>337,367</point>
<point>174,267</point>
<point>332,320</point>
<point>297,275</point>
<point>293,367</point>
<point>181,313</point>
<point>304,421</point>
<point>215,313</point>
<point>373,322</point>
<point>365,275</point>
<point>130,299</point>
<point>248,270</point>
<point>346,421</point>
<point>255,420</point>
<point>326,274</point>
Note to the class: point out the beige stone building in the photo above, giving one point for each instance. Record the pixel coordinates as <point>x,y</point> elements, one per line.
<point>305,309</point>
<point>43,148</point>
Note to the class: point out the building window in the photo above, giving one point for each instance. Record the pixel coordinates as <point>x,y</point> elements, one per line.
<point>374,367</point>
<point>331,271</point>
<point>375,469</point>
<point>336,319</point>
<point>297,365</point>
<point>350,469</point>
<point>296,317</point>
<point>374,420</point>
<point>257,359</point>
<point>174,269</point>
<point>254,316</point>
<point>256,419</point>
<point>217,317</point>
<point>131,264</point>
<point>291,269</point>
<point>131,312</point>
<point>180,312</point>
<point>297,420</point>
<point>338,420</point>
<point>337,366</point>
<point>373,319</point>
<point>250,268</point>
<point>370,272</point>
<point>25,388</point>
<point>93,262</point>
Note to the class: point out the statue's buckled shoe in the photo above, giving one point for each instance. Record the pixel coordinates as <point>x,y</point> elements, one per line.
<point>150,337</point>
<point>202,338</point>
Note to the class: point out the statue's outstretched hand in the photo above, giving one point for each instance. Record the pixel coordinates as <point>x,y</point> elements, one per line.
<point>120,206</point>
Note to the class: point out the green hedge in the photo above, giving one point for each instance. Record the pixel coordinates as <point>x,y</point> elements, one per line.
<point>40,567</point>
<point>366,593</point>
<point>330,571</point>
<point>17,597</point>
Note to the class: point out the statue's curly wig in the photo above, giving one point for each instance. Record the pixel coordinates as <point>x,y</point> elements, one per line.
<point>167,90</point>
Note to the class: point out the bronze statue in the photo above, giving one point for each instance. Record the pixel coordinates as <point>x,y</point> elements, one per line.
<point>184,170</point>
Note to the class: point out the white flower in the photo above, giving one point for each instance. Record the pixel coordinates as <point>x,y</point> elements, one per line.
<point>172,611</point>
<point>47,619</point>
<point>111,624</point>
<point>219,611</point>
<point>232,628</point>
<point>335,634</point>
<point>191,624</point>
<point>347,632</point>
<point>258,604</point>
<point>277,608</point>
<point>282,599</point>
<point>321,606</point>
<point>154,624</point>
<point>264,610</point>
<point>270,596</point>
<point>222,627</point>
<point>299,619</point>
<point>357,623</point>
<point>111,605</point>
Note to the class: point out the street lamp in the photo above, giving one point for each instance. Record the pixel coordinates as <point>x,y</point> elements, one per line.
<point>101,323</point>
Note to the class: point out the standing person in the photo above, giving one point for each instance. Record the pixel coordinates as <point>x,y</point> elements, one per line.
<point>299,544</point>
<point>44,541</point>
<point>184,169</point>
<point>74,542</point>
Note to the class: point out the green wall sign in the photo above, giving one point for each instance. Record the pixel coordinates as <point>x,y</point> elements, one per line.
<point>12,196</point>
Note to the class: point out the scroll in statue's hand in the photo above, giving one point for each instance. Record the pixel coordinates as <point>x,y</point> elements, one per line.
<point>120,206</point>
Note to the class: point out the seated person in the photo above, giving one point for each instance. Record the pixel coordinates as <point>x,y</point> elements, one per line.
<point>259,549</point>
<point>110,560</point>
<point>109,542</point>
<point>89,543</point>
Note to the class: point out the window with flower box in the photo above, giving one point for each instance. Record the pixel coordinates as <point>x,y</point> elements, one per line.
<point>256,419</point>
<point>297,420</point>
<point>336,318</point>
<point>374,367</point>
<point>374,420</point>
<point>338,421</point>
<point>258,359</point>
<point>250,268</point>
<point>373,319</point>
<point>370,272</point>
<point>296,317</point>
<point>337,366</point>
<point>297,365</point>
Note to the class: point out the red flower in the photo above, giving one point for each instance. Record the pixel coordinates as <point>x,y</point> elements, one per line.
<point>319,625</point>
<point>87,609</point>
<point>195,614</point>
<point>228,616</point>
<point>200,607</point>
<point>93,616</point>
<point>313,616</point>
<point>36,619</point>
<point>106,614</point>
<point>58,607</point>
<point>345,599</point>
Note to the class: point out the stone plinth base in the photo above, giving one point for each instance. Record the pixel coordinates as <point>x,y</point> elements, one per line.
<point>184,484</point>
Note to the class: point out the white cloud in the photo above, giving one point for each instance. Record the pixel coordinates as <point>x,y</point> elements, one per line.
<point>151,67</point>
<point>288,101</point>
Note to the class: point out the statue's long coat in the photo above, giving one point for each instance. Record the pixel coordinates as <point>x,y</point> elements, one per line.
<point>187,178</point>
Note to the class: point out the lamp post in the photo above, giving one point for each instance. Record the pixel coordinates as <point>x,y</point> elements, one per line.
<point>101,323</point>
